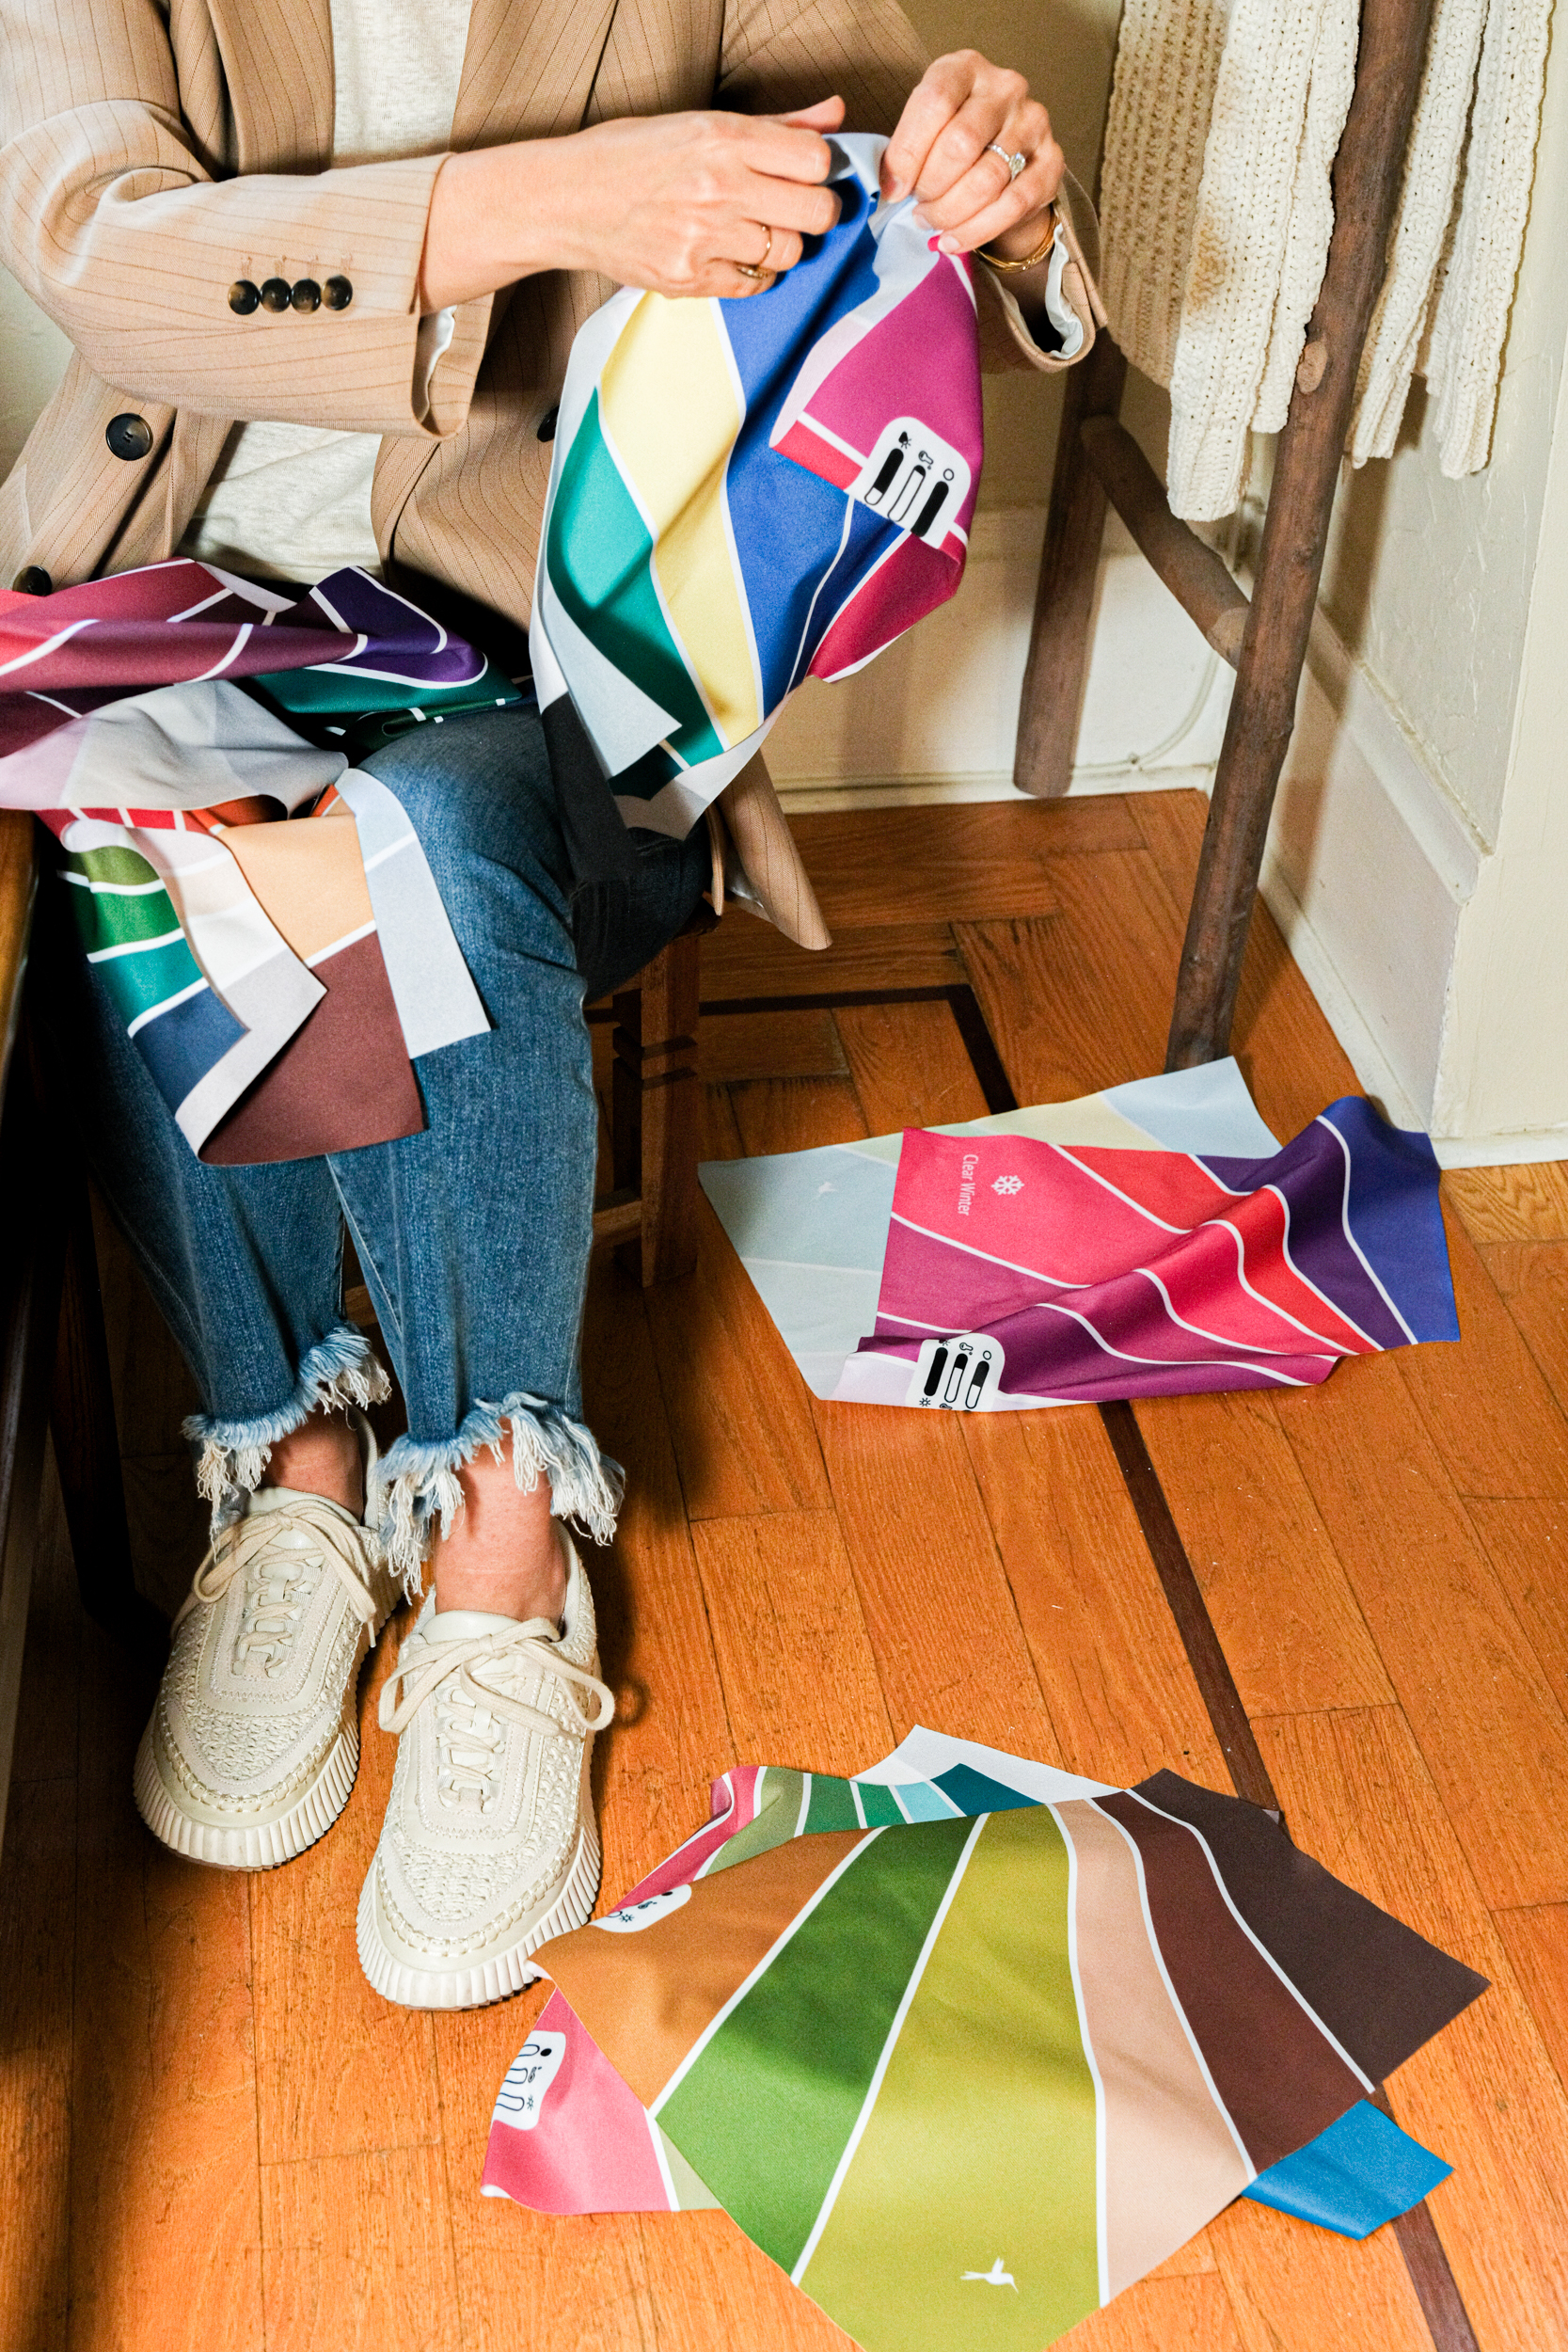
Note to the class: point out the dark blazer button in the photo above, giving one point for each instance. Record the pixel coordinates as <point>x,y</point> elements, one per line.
<point>276,294</point>
<point>547,425</point>
<point>306,295</point>
<point>129,435</point>
<point>242,296</point>
<point>338,293</point>
<point>33,580</point>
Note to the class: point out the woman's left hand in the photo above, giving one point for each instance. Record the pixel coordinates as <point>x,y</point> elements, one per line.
<point>942,150</point>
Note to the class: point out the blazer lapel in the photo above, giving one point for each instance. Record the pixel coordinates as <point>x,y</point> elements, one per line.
<point>528,72</point>
<point>278,63</point>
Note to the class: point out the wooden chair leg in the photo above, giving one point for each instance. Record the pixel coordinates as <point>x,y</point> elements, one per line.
<point>654,1108</point>
<point>86,1443</point>
<point>1367,171</point>
<point>1053,695</point>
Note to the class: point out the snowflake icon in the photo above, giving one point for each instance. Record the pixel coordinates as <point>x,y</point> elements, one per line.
<point>1006,1184</point>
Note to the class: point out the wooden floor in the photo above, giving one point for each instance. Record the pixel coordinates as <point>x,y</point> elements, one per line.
<point>213,2135</point>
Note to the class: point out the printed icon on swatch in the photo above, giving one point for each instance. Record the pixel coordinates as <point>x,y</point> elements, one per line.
<point>914,478</point>
<point>961,1375</point>
<point>528,2078</point>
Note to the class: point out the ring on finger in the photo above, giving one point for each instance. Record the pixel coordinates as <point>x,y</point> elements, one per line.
<point>758,268</point>
<point>1015,162</point>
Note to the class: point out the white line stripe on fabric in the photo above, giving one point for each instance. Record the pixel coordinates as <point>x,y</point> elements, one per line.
<point>32,696</point>
<point>110,890</point>
<point>657,2137</point>
<point>805,626</point>
<point>1223,1225</point>
<point>246,631</point>
<point>135,946</point>
<point>805,1806</point>
<point>169,1004</point>
<point>337,946</point>
<point>826,433</point>
<point>1226,1339</point>
<point>1102,2243</point>
<point>1306,1279</point>
<point>988,1257</point>
<point>1115,1190</point>
<point>863,2118</point>
<point>760,1970</point>
<point>42,653</point>
<point>1372,1272</point>
<point>1131,1845</point>
<point>1168,1363</point>
<point>859,1803</point>
<point>1294,1991</point>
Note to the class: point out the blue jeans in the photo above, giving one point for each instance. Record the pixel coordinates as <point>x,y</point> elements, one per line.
<point>474,1235</point>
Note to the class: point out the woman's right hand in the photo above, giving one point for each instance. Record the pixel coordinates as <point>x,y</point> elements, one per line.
<point>670,203</point>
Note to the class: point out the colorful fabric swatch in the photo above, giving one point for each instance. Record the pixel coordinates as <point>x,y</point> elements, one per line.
<point>1149,1240</point>
<point>745,493</point>
<point>834,2019</point>
<point>276,977</point>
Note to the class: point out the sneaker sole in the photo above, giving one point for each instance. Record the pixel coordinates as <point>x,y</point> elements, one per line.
<point>265,1844</point>
<point>492,1980</point>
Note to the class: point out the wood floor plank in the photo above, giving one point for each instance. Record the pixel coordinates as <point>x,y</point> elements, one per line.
<point>1289,1054</point>
<point>1185,2313</point>
<point>1528,1203</point>
<point>164,2189</point>
<point>739,1411</point>
<point>1537,1944</point>
<point>1120,1694</point>
<point>1533,1279</point>
<point>945,1632</point>
<point>1528,1545</point>
<point>796,1665</point>
<point>1295,2288</point>
<point>768,1045</point>
<point>796,1113</point>
<point>529,2279</point>
<point>894,865</point>
<point>371,2086</point>
<point>909,1065</point>
<point>1489,1726</point>
<point>37,1933</point>
<point>358,2252</point>
<point>1484,2092</point>
<point>711,2287</point>
<point>1486,1401</point>
<point>1080,1000</point>
<point>745,957</point>
<point>1291,1626</point>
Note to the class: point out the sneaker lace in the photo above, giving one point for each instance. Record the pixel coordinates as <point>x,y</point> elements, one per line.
<point>471,1714</point>
<point>278,1580</point>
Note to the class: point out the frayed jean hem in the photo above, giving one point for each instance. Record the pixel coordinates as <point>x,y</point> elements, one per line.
<point>415,1485</point>
<point>231,1456</point>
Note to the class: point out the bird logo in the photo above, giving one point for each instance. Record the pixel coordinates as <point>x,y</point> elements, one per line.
<point>994,2276</point>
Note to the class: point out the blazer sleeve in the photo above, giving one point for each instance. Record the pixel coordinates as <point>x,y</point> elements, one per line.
<point>783,54</point>
<point>116,228</point>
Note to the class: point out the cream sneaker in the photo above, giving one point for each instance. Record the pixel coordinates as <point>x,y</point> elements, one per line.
<point>489,1843</point>
<point>254,1741</point>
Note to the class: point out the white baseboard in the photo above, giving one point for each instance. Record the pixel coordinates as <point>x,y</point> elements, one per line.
<point>806,795</point>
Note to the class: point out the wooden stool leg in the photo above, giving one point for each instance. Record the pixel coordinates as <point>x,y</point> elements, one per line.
<point>1367,171</point>
<point>654,1108</point>
<point>1053,694</point>
<point>86,1443</point>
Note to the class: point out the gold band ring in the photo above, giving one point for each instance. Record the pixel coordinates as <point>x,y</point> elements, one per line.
<point>759,268</point>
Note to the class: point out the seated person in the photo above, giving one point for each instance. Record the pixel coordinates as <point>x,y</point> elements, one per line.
<point>321,269</point>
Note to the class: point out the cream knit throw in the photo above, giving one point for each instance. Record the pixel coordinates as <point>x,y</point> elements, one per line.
<point>1216,213</point>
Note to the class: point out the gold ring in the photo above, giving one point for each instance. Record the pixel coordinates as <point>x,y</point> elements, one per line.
<point>760,268</point>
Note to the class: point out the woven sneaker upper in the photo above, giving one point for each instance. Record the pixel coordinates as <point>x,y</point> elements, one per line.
<point>496,1720</point>
<point>267,1651</point>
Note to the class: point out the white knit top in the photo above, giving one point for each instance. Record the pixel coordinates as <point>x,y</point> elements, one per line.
<point>1217,211</point>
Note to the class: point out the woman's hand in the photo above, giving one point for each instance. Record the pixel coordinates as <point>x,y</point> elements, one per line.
<point>942,149</point>
<point>675,203</point>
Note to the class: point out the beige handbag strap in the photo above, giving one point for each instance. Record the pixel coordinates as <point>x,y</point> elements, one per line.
<point>768,859</point>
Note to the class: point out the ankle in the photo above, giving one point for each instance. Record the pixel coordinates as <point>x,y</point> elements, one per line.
<point>530,1582</point>
<point>322,1457</point>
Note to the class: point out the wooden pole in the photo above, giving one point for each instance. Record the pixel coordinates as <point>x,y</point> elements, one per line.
<point>1053,692</point>
<point>1367,178</point>
<point>1189,567</point>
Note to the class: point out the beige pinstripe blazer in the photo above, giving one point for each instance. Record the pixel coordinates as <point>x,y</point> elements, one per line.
<point>154,151</point>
